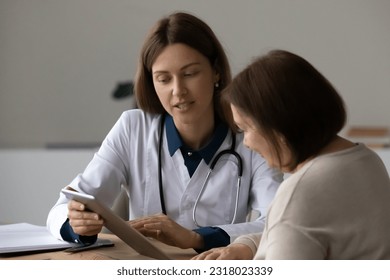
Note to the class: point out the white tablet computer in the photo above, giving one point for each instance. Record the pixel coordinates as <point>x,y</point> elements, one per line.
<point>118,226</point>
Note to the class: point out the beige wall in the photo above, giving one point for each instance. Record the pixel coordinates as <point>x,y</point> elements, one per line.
<point>60,60</point>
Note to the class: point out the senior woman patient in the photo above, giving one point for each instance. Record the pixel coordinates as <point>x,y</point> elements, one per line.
<point>335,205</point>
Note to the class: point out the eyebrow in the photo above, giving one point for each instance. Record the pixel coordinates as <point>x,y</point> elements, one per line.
<point>182,68</point>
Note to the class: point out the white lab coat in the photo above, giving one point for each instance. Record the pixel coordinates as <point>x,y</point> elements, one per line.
<point>129,156</point>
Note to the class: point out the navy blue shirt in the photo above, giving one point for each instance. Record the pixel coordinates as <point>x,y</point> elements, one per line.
<point>212,236</point>
<point>192,158</point>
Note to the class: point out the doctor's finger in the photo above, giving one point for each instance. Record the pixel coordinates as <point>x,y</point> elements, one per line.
<point>137,224</point>
<point>154,233</point>
<point>75,205</point>
<point>86,222</point>
<point>140,223</point>
<point>154,226</point>
<point>83,215</point>
<point>153,219</point>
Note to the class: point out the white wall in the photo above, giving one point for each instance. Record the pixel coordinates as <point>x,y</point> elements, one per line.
<point>60,60</point>
<point>31,179</point>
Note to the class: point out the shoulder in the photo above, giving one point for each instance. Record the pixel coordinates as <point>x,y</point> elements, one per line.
<point>342,164</point>
<point>331,179</point>
<point>137,119</point>
<point>133,124</point>
<point>138,116</point>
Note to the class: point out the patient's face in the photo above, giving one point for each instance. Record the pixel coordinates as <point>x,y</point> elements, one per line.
<point>255,140</point>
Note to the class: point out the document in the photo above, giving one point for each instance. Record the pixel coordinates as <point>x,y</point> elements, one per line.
<point>24,237</point>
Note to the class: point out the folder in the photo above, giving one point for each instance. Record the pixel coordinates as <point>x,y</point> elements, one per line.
<point>25,237</point>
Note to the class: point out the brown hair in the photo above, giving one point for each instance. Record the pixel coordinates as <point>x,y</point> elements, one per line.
<point>287,97</point>
<point>193,32</point>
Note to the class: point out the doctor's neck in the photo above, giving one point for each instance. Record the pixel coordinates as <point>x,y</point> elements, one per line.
<point>197,134</point>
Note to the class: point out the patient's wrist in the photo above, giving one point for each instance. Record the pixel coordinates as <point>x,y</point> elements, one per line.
<point>244,252</point>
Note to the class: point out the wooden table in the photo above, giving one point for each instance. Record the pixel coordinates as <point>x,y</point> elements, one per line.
<point>120,251</point>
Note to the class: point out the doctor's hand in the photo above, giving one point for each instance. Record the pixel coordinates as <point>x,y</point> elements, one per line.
<point>162,228</point>
<point>234,251</point>
<point>82,221</point>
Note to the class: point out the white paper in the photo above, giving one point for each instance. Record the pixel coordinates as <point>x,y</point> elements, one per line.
<point>24,237</point>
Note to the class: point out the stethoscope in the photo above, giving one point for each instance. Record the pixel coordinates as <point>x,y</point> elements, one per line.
<point>230,151</point>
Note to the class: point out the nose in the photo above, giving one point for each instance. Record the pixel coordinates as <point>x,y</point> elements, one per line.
<point>178,87</point>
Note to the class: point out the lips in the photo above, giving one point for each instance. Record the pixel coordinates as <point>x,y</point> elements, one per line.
<point>183,105</point>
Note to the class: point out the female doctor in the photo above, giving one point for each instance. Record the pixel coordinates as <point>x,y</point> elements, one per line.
<point>162,153</point>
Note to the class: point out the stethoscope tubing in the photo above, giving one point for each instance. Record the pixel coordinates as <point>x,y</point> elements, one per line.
<point>230,151</point>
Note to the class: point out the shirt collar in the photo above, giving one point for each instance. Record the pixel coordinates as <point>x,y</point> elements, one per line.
<point>207,153</point>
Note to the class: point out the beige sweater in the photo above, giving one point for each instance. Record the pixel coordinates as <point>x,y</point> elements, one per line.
<point>336,206</point>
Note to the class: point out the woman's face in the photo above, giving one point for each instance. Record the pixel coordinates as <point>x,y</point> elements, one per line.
<point>255,140</point>
<point>184,81</point>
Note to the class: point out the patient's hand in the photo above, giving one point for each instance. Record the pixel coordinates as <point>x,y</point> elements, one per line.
<point>234,251</point>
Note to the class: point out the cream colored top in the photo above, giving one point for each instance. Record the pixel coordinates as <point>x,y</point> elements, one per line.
<point>336,206</point>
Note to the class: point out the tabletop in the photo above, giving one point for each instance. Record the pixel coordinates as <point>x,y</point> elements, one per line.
<point>120,251</point>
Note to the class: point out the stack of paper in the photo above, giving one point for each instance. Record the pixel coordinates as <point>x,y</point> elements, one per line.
<point>24,237</point>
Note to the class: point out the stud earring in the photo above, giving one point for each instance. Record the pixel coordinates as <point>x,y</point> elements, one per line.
<point>216,85</point>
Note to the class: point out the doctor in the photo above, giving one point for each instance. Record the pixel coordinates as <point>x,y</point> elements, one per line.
<point>162,152</point>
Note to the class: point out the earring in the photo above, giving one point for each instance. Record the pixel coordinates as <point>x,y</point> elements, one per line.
<point>216,85</point>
